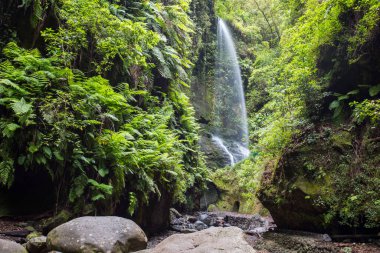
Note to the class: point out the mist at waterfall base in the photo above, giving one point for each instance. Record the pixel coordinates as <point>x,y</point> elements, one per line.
<point>230,128</point>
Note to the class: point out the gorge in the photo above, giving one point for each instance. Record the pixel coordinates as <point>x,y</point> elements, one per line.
<point>182,115</point>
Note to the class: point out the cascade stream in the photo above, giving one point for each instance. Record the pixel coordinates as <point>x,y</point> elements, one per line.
<point>230,131</point>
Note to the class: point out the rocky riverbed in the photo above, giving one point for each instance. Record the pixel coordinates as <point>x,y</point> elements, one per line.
<point>205,229</point>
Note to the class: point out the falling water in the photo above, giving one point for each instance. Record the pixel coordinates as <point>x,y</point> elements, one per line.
<point>220,143</point>
<point>230,113</point>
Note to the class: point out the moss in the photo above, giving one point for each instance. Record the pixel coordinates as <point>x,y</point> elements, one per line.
<point>235,197</point>
<point>52,222</point>
<point>333,179</point>
<point>316,187</point>
<point>32,235</point>
<point>342,140</point>
<point>308,187</point>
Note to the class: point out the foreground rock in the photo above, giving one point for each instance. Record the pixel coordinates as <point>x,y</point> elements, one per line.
<point>11,247</point>
<point>37,245</point>
<point>211,240</point>
<point>97,234</point>
<point>299,242</point>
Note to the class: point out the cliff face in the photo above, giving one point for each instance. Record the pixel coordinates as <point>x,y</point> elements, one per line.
<point>326,180</point>
<point>204,47</point>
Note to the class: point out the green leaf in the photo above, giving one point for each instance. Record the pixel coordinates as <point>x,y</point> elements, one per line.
<point>58,156</point>
<point>9,129</point>
<point>47,152</point>
<point>97,197</point>
<point>344,97</point>
<point>105,188</point>
<point>374,90</point>
<point>172,172</point>
<point>33,148</point>
<point>132,203</point>
<point>103,172</point>
<point>77,188</point>
<point>6,173</point>
<point>337,111</point>
<point>21,160</point>
<point>334,104</point>
<point>21,107</point>
<point>128,136</point>
<point>353,198</point>
<point>353,92</point>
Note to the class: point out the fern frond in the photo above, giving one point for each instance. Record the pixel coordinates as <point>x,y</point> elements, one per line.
<point>13,85</point>
<point>41,77</point>
<point>79,76</point>
<point>6,173</point>
<point>7,67</point>
<point>11,50</point>
<point>181,73</point>
<point>158,54</point>
<point>165,71</point>
<point>38,12</point>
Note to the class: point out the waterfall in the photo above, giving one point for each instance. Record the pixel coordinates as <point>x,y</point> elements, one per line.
<point>230,116</point>
<point>218,141</point>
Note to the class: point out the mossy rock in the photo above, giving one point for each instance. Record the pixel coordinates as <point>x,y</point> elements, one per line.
<point>328,184</point>
<point>50,223</point>
<point>232,197</point>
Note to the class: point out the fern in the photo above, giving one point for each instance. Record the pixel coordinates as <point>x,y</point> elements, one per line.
<point>12,51</point>
<point>6,173</point>
<point>8,129</point>
<point>7,67</point>
<point>96,135</point>
<point>13,86</point>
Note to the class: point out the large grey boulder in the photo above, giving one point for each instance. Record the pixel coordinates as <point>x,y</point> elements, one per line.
<point>211,240</point>
<point>7,246</point>
<point>107,234</point>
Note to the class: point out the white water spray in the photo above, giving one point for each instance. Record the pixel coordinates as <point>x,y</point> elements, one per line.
<point>218,141</point>
<point>230,113</point>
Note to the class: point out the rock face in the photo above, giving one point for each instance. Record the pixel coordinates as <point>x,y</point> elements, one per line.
<point>320,182</point>
<point>211,240</point>
<point>97,234</point>
<point>154,217</point>
<point>216,157</point>
<point>209,196</point>
<point>11,247</point>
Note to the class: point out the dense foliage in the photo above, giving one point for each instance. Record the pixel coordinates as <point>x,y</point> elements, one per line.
<point>103,110</point>
<point>310,63</point>
<point>94,93</point>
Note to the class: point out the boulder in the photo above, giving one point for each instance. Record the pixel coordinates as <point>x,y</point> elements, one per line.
<point>191,218</point>
<point>97,234</point>
<point>211,240</point>
<point>199,225</point>
<point>7,246</point>
<point>205,218</point>
<point>37,245</point>
<point>174,214</point>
